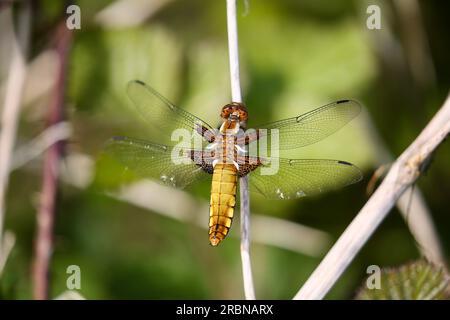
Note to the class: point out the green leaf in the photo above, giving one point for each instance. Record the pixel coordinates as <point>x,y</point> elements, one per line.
<point>419,280</point>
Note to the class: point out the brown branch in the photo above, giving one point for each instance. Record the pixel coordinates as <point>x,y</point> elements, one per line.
<point>46,213</point>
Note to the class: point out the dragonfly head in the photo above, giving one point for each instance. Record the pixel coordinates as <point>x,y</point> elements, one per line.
<point>234,111</point>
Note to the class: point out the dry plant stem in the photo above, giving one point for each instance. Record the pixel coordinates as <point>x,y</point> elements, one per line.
<point>249,289</point>
<point>9,239</point>
<point>34,148</point>
<point>412,207</point>
<point>233,51</point>
<point>46,212</point>
<point>417,216</point>
<point>386,46</point>
<point>11,108</point>
<point>243,183</point>
<point>403,173</point>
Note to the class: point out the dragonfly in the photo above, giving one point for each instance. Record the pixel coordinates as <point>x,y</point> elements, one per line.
<point>223,154</point>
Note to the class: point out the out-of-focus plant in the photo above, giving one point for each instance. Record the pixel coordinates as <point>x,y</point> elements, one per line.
<point>418,280</point>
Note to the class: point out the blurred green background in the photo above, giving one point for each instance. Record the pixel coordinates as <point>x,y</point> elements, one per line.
<point>295,55</point>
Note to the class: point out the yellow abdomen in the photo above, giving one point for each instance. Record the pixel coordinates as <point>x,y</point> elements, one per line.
<point>223,200</point>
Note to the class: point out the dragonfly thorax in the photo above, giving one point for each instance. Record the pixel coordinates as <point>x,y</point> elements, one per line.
<point>226,149</point>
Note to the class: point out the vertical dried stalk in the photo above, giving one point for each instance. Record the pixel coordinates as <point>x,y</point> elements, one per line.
<point>17,74</point>
<point>403,173</point>
<point>245,198</point>
<point>46,213</point>
<point>233,51</point>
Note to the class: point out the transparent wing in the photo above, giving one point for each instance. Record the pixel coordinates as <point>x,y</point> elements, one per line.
<point>313,126</point>
<point>160,112</point>
<point>301,177</point>
<point>155,161</point>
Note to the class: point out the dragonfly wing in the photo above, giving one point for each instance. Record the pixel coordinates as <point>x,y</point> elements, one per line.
<point>297,178</point>
<point>312,126</point>
<point>169,166</point>
<point>160,112</point>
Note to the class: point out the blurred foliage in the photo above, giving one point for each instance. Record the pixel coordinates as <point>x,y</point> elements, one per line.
<point>295,56</point>
<point>418,280</point>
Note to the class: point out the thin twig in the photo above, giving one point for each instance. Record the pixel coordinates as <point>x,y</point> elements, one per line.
<point>46,213</point>
<point>16,80</point>
<point>233,51</point>
<point>403,173</point>
<point>243,182</point>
